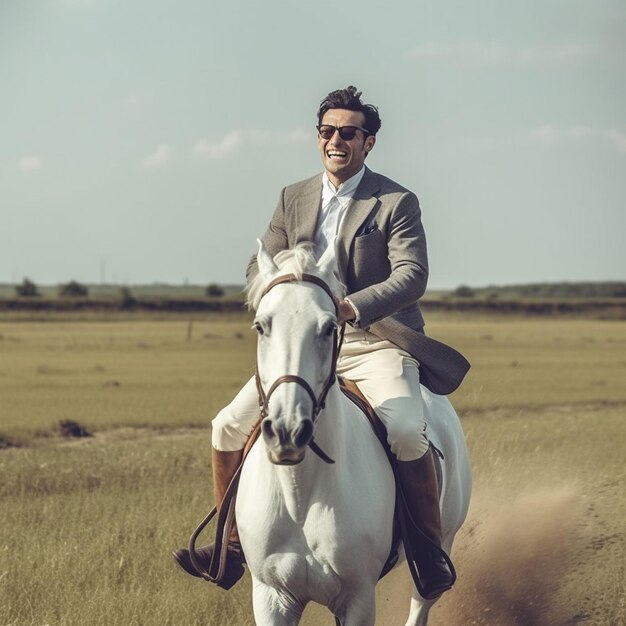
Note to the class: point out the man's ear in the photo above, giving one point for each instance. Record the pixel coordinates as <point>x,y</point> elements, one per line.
<point>369,143</point>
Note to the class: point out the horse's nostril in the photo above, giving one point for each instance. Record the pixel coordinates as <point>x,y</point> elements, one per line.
<point>303,434</point>
<point>268,429</point>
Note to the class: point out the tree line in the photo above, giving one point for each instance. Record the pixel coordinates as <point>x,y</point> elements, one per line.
<point>539,291</point>
<point>73,289</point>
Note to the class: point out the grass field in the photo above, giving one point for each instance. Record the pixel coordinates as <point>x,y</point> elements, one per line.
<point>87,525</point>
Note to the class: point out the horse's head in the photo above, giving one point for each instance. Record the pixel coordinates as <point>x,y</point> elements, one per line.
<point>296,322</point>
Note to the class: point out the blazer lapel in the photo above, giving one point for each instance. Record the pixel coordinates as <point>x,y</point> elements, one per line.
<point>307,207</point>
<point>363,203</point>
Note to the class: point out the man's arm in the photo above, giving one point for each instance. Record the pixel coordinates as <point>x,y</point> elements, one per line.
<point>407,254</point>
<point>275,238</point>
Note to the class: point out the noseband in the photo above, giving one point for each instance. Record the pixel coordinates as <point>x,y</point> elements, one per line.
<point>318,402</point>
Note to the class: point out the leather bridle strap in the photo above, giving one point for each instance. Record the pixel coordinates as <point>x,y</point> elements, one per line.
<point>226,515</point>
<point>305,278</point>
<point>290,378</point>
<point>318,402</point>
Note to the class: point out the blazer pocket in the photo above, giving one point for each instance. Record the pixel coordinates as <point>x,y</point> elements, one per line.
<point>371,238</point>
<point>370,261</point>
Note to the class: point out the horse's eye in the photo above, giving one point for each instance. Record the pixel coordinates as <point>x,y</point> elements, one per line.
<point>259,329</point>
<point>329,330</point>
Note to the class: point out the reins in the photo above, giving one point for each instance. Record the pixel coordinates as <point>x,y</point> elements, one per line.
<point>318,402</point>
<point>226,511</point>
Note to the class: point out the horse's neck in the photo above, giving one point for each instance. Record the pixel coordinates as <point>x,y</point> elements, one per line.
<point>300,485</point>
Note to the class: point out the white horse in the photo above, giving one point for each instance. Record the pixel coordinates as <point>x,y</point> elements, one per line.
<point>313,530</point>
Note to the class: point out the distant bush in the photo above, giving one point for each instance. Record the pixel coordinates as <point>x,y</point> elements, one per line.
<point>613,289</point>
<point>70,428</point>
<point>27,289</point>
<point>73,289</point>
<point>127,297</point>
<point>7,442</point>
<point>214,291</point>
<point>464,292</point>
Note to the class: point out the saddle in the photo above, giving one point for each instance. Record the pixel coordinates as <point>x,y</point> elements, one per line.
<point>404,527</point>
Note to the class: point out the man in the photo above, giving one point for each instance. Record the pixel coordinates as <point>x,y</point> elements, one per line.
<point>383,263</point>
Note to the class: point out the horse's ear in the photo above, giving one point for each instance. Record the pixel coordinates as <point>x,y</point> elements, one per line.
<point>327,263</point>
<point>267,267</point>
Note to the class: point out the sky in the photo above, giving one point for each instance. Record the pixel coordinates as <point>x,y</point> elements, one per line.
<point>147,141</point>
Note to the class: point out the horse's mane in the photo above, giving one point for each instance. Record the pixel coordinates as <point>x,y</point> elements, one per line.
<point>299,260</point>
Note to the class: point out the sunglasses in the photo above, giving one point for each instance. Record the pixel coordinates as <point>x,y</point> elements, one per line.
<point>326,131</point>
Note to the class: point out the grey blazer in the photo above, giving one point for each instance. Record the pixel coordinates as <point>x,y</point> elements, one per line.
<point>382,261</point>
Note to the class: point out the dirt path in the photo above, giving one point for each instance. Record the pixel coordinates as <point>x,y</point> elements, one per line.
<point>520,565</point>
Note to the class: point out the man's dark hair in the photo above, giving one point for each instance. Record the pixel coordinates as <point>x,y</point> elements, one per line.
<point>349,98</point>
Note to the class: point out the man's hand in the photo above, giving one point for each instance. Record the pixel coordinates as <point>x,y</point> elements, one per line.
<point>346,312</point>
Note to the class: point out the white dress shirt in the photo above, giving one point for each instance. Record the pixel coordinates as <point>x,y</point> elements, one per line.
<point>335,203</point>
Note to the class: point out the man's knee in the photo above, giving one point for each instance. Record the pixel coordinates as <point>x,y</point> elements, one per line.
<point>407,439</point>
<point>227,434</point>
<point>234,423</point>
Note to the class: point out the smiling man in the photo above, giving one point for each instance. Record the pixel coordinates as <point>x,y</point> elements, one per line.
<point>342,156</point>
<point>381,256</point>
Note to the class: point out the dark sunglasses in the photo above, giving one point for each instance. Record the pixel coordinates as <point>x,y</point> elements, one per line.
<point>347,133</point>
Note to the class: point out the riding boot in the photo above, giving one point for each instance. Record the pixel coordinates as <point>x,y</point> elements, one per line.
<point>225,465</point>
<point>418,480</point>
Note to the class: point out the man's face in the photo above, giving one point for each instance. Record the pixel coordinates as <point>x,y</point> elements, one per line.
<point>344,158</point>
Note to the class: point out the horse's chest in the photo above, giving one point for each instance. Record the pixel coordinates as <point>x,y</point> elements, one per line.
<point>300,547</point>
<point>305,575</point>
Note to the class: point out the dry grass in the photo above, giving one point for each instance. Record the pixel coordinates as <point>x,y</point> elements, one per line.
<point>112,374</point>
<point>87,525</point>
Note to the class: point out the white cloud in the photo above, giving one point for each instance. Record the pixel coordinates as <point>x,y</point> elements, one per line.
<point>219,149</point>
<point>618,138</point>
<point>158,158</point>
<point>237,139</point>
<point>550,135</point>
<point>263,137</point>
<point>554,135</point>
<point>132,103</point>
<point>492,53</point>
<point>75,3</point>
<point>563,53</point>
<point>30,163</point>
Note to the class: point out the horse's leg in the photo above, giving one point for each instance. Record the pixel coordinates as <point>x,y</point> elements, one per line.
<point>274,609</point>
<point>418,615</point>
<point>420,608</point>
<point>359,609</point>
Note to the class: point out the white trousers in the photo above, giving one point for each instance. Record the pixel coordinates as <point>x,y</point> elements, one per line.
<point>386,375</point>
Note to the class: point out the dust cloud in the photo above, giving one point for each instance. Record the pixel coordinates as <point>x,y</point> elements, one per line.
<point>511,560</point>
<point>512,557</point>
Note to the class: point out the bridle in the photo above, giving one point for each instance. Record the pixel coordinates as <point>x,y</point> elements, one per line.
<point>318,402</point>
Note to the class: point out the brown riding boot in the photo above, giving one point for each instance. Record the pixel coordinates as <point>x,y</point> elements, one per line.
<point>418,480</point>
<point>225,466</point>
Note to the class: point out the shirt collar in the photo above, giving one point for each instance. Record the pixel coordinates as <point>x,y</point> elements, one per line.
<point>346,189</point>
